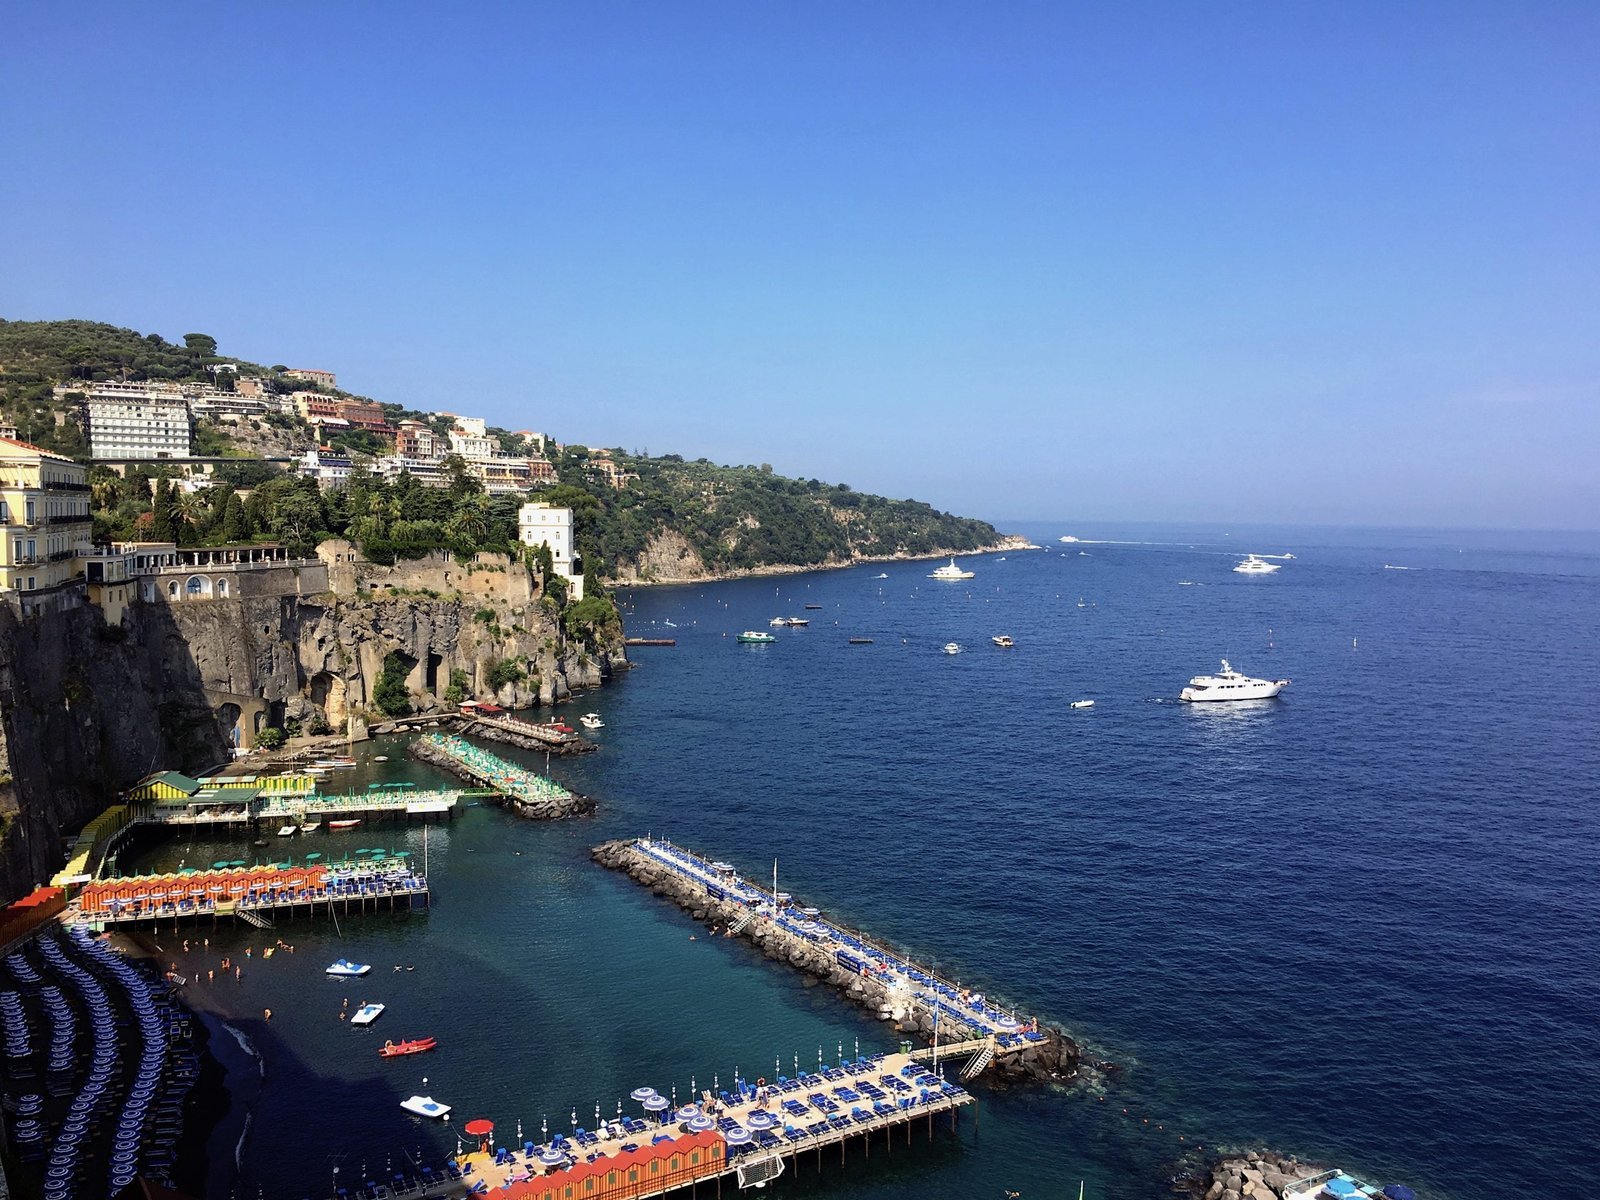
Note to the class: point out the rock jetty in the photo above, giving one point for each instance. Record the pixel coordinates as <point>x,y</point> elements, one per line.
<point>536,808</point>
<point>1249,1175</point>
<point>497,731</point>
<point>1056,1059</point>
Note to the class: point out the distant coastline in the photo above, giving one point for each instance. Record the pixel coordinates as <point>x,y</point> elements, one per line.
<point>1011,541</point>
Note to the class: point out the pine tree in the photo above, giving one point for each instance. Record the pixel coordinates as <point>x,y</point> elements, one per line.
<point>164,527</point>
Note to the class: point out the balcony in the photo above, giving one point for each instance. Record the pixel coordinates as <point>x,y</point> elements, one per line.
<point>66,487</point>
<point>70,519</point>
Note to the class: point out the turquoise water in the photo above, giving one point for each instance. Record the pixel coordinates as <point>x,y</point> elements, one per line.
<point>1356,923</point>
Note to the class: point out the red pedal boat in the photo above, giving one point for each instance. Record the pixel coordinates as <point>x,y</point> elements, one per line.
<point>396,1049</point>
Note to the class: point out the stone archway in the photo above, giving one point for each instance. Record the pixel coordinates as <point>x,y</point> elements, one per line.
<point>222,588</point>
<point>228,716</point>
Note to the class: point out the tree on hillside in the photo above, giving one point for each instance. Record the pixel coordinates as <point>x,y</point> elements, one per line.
<point>163,523</point>
<point>202,344</point>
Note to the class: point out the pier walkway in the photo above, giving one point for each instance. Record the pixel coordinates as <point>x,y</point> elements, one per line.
<point>748,1136</point>
<point>966,1015</point>
<point>493,772</point>
<point>255,895</point>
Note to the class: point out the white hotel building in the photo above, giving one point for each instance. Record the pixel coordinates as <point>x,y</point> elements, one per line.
<point>540,524</point>
<point>133,423</point>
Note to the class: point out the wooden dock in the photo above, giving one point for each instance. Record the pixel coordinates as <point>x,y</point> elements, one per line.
<point>747,1136</point>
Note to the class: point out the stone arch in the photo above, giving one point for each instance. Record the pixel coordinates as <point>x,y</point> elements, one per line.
<point>320,685</point>
<point>228,715</point>
<point>198,587</point>
<point>174,592</point>
<point>222,587</point>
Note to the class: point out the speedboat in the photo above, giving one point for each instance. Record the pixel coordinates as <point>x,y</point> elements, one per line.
<point>1083,704</point>
<point>881,575</point>
<point>415,1046</point>
<point>1255,565</point>
<point>367,1014</point>
<point>952,647</point>
<point>424,1106</point>
<point>1003,641</point>
<point>1231,685</point>
<point>591,721</point>
<point>778,622</point>
<point>344,967</point>
<point>797,622</point>
<point>754,637</point>
<point>1068,538</point>
<point>950,571</point>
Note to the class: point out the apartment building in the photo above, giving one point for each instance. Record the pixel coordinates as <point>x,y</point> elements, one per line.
<point>44,523</point>
<point>325,379</point>
<point>541,524</point>
<point>143,421</point>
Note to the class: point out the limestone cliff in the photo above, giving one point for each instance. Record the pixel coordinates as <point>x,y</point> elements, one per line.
<point>87,709</point>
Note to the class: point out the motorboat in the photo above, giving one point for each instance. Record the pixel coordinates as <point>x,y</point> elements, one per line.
<point>367,1014</point>
<point>288,830</point>
<point>347,969</point>
<point>1068,538</point>
<point>817,607</point>
<point>1256,565</point>
<point>797,622</point>
<point>415,1046</point>
<point>347,823</point>
<point>310,826</point>
<point>952,647</point>
<point>778,622</point>
<point>881,575</point>
<point>860,641</point>
<point>380,758</point>
<point>591,721</point>
<point>1083,704</point>
<point>424,1106</point>
<point>950,571</point>
<point>1230,685</point>
<point>1003,641</point>
<point>754,637</point>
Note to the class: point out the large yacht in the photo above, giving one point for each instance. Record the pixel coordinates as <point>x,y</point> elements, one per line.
<point>1231,685</point>
<point>950,571</point>
<point>1255,565</point>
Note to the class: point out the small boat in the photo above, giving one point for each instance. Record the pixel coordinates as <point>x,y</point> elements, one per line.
<point>1003,641</point>
<point>415,1046</point>
<point>952,647</point>
<point>262,842</point>
<point>424,1106</point>
<point>950,571</point>
<point>335,764</point>
<point>778,622</point>
<point>1083,704</point>
<point>814,606</point>
<point>310,826</point>
<point>861,641</point>
<point>591,721</point>
<point>1230,685</point>
<point>796,622</point>
<point>347,823</point>
<point>347,969</point>
<point>287,830</point>
<point>1255,565</point>
<point>881,575</point>
<point>1069,539</point>
<point>380,758</point>
<point>367,1014</point>
<point>754,637</point>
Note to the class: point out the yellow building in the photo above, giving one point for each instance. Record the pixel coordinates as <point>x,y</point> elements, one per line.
<point>44,517</point>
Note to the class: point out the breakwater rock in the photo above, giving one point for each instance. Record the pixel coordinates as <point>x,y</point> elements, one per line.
<point>1056,1059</point>
<point>535,808</point>
<point>1247,1175</point>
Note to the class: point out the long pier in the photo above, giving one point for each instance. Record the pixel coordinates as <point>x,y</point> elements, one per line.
<point>255,895</point>
<point>748,1135</point>
<point>889,984</point>
<point>531,794</point>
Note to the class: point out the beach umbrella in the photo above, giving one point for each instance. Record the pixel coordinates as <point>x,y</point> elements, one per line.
<point>737,1136</point>
<point>478,1127</point>
<point>221,863</point>
<point>656,1104</point>
<point>701,1123</point>
<point>1339,1187</point>
<point>760,1120</point>
<point>550,1156</point>
<point>1399,1191</point>
<point>642,1093</point>
<point>688,1111</point>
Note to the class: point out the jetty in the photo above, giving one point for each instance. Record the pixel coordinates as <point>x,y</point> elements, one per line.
<point>644,641</point>
<point>748,1134</point>
<point>986,1033</point>
<point>497,725</point>
<point>528,793</point>
<point>256,895</point>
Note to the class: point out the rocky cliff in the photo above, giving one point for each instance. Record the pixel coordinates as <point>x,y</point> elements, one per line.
<point>87,709</point>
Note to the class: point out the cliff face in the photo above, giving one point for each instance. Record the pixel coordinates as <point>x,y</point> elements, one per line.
<point>87,709</point>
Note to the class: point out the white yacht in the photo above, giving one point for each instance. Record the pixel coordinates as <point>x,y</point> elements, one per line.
<point>1003,640</point>
<point>950,571</point>
<point>1256,565</point>
<point>952,647</point>
<point>1231,685</point>
<point>591,721</point>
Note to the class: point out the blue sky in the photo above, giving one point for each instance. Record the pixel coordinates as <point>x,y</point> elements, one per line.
<point>1270,262</point>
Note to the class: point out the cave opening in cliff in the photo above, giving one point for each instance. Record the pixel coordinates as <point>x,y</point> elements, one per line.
<point>430,681</point>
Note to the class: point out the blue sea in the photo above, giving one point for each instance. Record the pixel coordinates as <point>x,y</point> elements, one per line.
<point>1357,923</point>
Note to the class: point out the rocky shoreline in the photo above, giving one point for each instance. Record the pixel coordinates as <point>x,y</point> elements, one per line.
<point>1007,543</point>
<point>1057,1059</point>
<point>574,805</point>
<point>1248,1175</point>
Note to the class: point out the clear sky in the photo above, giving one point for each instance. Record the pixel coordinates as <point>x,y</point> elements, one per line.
<point>1274,261</point>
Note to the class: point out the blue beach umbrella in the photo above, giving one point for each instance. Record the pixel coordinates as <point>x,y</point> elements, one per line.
<point>701,1123</point>
<point>1399,1191</point>
<point>642,1093</point>
<point>657,1104</point>
<point>737,1136</point>
<point>760,1120</point>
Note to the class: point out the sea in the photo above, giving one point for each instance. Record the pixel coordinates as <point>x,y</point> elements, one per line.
<point>1359,923</point>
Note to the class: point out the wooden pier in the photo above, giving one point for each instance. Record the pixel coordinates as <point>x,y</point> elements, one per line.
<point>745,1137</point>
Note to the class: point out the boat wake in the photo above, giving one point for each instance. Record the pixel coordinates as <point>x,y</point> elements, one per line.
<point>249,1048</point>
<point>1392,567</point>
